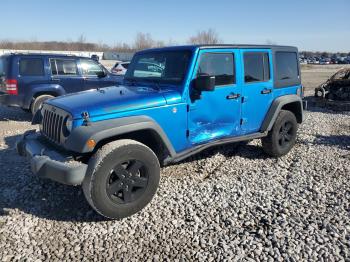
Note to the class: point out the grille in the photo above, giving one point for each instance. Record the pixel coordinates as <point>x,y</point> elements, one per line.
<point>52,123</point>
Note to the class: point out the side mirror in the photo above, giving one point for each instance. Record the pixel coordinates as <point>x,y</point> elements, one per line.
<point>204,83</point>
<point>101,74</point>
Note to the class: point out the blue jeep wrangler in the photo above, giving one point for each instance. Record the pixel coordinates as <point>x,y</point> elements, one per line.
<point>27,80</point>
<point>174,102</point>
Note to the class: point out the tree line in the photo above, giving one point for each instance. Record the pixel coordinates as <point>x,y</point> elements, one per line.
<point>141,41</point>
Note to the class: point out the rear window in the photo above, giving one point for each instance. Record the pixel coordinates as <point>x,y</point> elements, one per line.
<point>256,67</point>
<point>286,66</point>
<point>31,67</point>
<point>3,66</point>
<point>63,67</point>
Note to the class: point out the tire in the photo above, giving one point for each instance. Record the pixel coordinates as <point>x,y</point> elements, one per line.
<point>122,178</point>
<point>38,101</point>
<point>281,138</point>
<point>26,110</point>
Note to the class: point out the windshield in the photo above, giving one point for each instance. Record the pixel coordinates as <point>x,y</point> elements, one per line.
<point>160,67</point>
<point>3,64</point>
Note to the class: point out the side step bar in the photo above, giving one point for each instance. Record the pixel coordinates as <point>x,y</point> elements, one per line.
<point>192,151</point>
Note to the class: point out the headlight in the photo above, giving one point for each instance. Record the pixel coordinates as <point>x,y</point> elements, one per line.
<point>67,126</point>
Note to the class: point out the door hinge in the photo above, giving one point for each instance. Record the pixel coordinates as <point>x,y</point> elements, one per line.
<point>187,133</point>
<point>241,122</point>
<point>188,108</point>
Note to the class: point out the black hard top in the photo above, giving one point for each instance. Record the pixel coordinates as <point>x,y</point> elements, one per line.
<point>222,46</point>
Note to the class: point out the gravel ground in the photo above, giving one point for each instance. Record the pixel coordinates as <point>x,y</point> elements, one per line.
<point>227,203</point>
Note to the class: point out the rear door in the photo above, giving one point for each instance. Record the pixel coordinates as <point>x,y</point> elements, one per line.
<point>257,88</point>
<point>64,72</point>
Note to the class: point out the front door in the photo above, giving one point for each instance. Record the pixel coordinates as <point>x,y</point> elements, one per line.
<point>257,88</point>
<point>215,114</point>
<point>92,72</point>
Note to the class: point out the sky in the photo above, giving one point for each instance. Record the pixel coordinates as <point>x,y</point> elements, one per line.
<point>312,25</point>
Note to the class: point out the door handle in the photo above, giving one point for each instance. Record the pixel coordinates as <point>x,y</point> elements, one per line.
<point>266,91</point>
<point>233,96</point>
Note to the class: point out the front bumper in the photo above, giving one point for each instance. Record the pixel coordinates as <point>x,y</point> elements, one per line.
<point>48,162</point>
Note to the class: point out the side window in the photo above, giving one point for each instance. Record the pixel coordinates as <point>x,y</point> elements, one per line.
<point>63,67</point>
<point>286,66</point>
<point>31,67</point>
<point>220,65</point>
<point>91,68</point>
<point>256,67</point>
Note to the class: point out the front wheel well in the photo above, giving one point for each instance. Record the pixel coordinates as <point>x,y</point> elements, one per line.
<point>51,93</point>
<point>147,137</point>
<point>296,109</point>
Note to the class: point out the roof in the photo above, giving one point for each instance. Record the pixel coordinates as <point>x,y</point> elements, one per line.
<point>43,54</point>
<point>241,46</point>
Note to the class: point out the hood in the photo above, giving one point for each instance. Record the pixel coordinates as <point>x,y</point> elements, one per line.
<point>114,99</point>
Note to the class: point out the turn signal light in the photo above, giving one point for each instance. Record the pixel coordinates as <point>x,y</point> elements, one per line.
<point>91,143</point>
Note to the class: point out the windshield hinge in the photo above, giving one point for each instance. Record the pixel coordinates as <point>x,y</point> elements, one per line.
<point>187,133</point>
<point>188,108</point>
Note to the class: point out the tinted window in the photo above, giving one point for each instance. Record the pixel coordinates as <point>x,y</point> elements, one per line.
<point>3,66</point>
<point>31,67</point>
<point>162,67</point>
<point>125,65</point>
<point>91,68</point>
<point>286,66</point>
<point>220,65</point>
<point>63,67</point>
<point>256,67</point>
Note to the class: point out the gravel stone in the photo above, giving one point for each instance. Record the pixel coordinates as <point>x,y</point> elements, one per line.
<point>228,203</point>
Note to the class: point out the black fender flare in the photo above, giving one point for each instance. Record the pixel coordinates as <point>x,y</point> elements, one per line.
<point>105,129</point>
<point>276,107</point>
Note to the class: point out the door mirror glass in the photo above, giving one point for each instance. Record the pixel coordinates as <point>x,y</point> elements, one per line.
<point>204,83</point>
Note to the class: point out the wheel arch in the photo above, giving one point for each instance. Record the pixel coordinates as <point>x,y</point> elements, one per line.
<point>291,103</point>
<point>38,90</point>
<point>140,128</point>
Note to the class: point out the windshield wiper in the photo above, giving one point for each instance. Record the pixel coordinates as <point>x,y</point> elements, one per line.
<point>131,81</point>
<point>153,81</point>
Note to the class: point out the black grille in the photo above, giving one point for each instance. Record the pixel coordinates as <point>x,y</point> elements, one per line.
<point>52,125</point>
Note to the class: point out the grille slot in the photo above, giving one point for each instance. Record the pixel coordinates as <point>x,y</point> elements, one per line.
<point>52,123</point>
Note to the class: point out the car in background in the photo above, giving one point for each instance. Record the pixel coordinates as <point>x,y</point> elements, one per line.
<point>95,57</point>
<point>120,68</point>
<point>27,80</point>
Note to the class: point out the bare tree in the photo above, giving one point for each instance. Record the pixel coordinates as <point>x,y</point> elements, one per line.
<point>209,36</point>
<point>143,41</point>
